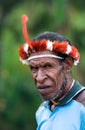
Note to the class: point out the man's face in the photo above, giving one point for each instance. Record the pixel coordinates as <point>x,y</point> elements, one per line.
<point>48,75</point>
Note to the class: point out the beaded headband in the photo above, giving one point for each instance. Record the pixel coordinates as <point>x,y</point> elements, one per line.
<point>42,45</point>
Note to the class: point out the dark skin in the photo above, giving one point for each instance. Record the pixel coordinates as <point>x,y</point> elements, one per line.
<point>52,77</point>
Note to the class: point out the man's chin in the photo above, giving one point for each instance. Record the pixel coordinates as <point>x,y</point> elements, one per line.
<point>46,97</point>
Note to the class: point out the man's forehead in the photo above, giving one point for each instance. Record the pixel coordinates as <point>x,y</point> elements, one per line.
<point>43,60</point>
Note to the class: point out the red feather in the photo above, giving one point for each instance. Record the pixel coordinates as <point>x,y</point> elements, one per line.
<point>22,53</point>
<point>24,29</point>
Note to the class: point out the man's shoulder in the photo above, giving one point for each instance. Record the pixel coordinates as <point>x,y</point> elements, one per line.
<point>81,97</point>
<point>43,104</point>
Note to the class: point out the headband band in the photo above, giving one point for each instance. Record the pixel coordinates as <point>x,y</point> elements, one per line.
<point>45,55</point>
<point>40,56</point>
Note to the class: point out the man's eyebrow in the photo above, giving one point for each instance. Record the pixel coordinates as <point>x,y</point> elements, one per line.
<point>31,65</point>
<point>48,63</point>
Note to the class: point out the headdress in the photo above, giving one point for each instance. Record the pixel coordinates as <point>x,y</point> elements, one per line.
<point>41,45</point>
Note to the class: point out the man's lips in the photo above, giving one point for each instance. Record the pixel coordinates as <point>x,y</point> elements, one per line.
<point>43,89</point>
<point>43,86</point>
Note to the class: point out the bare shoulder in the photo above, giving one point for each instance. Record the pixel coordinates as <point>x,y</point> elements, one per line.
<point>81,97</point>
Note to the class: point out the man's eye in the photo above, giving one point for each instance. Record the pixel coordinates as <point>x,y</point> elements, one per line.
<point>33,68</point>
<point>47,66</point>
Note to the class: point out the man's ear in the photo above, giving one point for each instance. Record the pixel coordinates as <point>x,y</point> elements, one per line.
<point>68,63</point>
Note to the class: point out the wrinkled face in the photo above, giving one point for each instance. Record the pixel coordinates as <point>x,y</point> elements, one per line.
<point>48,76</point>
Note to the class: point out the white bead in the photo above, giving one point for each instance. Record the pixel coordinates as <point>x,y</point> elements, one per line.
<point>24,61</point>
<point>68,49</point>
<point>76,62</point>
<point>26,48</point>
<point>49,45</point>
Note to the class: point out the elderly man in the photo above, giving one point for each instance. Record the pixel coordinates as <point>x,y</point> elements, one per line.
<point>50,57</point>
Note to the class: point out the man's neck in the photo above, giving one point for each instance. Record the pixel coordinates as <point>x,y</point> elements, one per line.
<point>57,100</point>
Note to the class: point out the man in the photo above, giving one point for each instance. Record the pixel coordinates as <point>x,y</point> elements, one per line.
<point>51,57</point>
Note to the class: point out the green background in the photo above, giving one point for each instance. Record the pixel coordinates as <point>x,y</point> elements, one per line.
<point>19,99</point>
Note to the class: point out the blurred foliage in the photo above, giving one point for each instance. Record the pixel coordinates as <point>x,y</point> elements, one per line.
<point>18,96</point>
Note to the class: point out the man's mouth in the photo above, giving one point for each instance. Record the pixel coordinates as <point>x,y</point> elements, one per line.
<point>42,87</point>
<point>43,90</point>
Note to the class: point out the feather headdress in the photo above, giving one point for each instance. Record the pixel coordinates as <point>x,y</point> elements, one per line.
<point>42,45</point>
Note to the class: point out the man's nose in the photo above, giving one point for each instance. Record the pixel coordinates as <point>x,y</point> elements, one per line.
<point>41,75</point>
